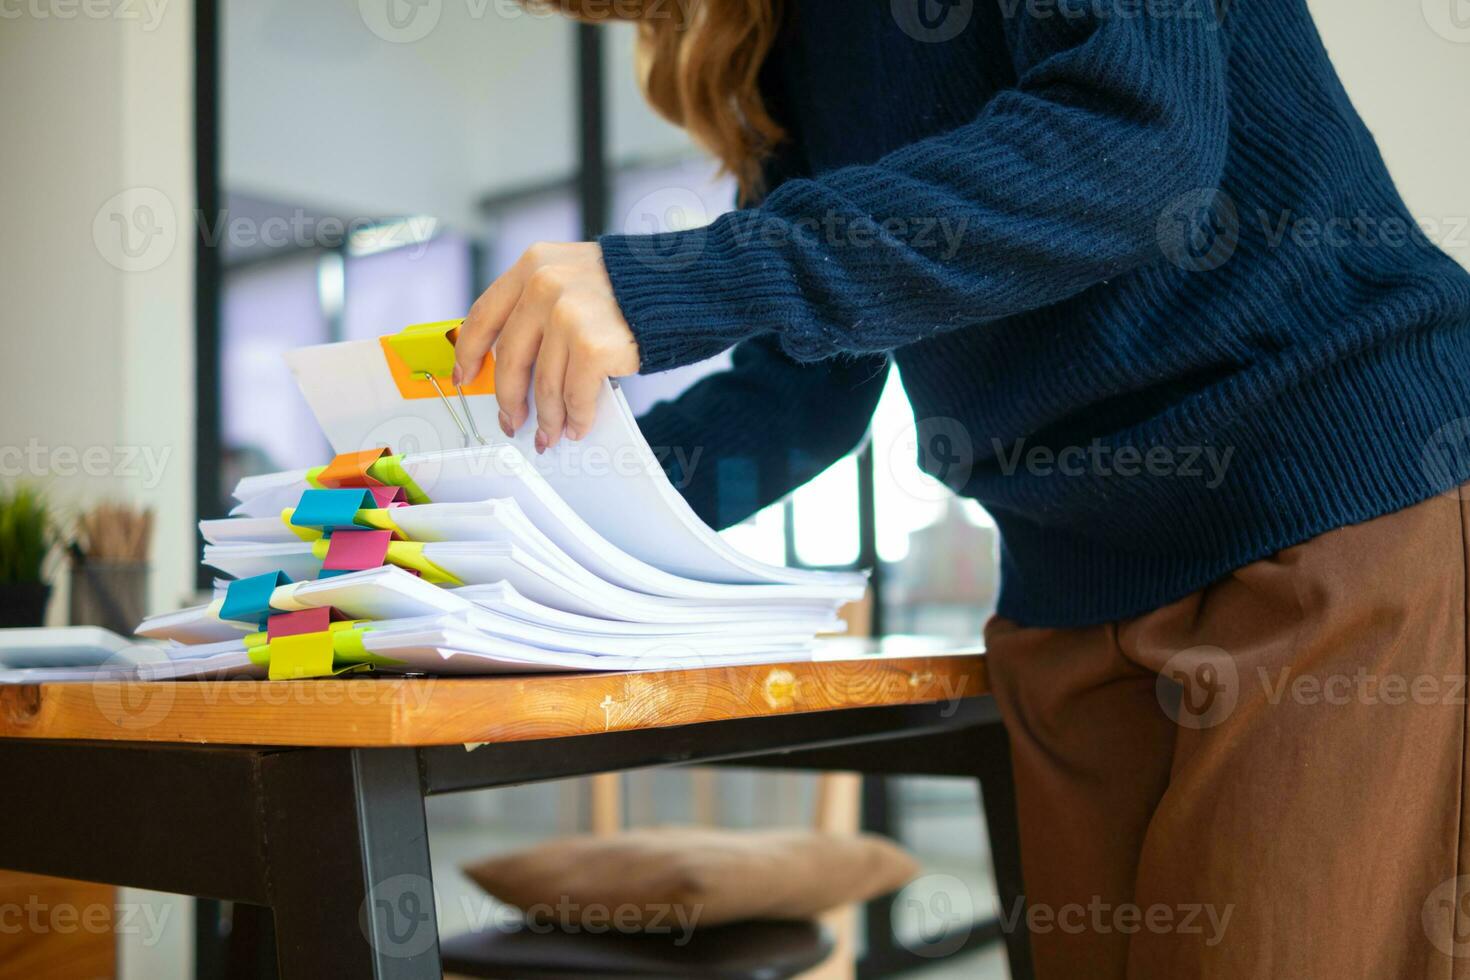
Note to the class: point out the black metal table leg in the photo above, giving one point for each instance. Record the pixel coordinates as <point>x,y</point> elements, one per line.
<point>348,856</point>
<point>998,797</point>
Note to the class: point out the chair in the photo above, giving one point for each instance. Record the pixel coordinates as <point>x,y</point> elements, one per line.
<point>738,951</point>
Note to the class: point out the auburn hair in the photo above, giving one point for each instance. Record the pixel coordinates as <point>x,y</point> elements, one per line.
<point>699,64</point>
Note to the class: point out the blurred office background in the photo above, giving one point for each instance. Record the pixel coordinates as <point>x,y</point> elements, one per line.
<point>193,188</point>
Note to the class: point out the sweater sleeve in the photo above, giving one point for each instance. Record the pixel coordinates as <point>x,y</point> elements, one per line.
<point>1058,184</point>
<point>745,437</point>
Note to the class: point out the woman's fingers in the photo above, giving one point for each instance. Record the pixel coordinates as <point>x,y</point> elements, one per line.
<point>482,325</point>
<point>553,317</point>
<point>583,384</point>
<point>551,369</point>
<point>515,356</point>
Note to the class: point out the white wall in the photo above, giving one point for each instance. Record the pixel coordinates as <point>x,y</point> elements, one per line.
<point>97,357</point>
<point>1407,68</point>
<point>331,106</point>
<point>96,385</point>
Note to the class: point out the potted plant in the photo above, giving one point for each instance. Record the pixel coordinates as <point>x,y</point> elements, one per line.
<point>27,534</point>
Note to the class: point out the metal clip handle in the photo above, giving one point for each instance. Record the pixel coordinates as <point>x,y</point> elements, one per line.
<point>465,433</point>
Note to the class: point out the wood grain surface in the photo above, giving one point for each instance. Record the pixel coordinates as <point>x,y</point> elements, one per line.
<point>384,711</point>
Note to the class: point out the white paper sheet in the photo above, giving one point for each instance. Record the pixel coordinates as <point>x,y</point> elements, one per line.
<point>610,479</point>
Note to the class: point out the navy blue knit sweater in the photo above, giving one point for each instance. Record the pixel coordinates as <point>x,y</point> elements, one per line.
<point>1150,290</point>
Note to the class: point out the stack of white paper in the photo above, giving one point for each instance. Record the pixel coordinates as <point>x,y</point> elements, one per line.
<point>584,558</point>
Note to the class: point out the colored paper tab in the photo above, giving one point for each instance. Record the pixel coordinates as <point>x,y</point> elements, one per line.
<point>351,469</point>
<point>302,621</point>
<point>390,470</point>
<point>331,510</point>
<point>410,555</point>
<point>386,497</point>
<point>427,348</point>
<point>248,600</point>
<point>302,655</point>
<point>351,551</point>
<point>371,519</point>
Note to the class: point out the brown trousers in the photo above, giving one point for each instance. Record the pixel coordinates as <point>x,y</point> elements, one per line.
<point>1261,781</point>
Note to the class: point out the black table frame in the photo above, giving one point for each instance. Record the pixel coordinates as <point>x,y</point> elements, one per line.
<point>321,836</point>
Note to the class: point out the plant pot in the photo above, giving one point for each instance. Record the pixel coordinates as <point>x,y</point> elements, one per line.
<point>110,594</point>
<point>23,604</point>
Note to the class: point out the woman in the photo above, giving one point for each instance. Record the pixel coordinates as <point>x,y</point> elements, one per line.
<point>1159,308</point>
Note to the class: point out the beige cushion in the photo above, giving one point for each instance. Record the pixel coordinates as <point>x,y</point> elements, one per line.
<point>692,875</point>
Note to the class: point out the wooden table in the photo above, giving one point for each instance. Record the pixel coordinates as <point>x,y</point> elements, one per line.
<point>307,797</point>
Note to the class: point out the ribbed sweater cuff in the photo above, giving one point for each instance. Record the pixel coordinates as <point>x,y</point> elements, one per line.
<point>688,295</point>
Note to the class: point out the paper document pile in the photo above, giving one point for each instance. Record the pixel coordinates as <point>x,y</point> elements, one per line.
<point>459,554</point>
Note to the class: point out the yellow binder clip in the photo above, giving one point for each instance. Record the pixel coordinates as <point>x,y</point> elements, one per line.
<point>421,359</point>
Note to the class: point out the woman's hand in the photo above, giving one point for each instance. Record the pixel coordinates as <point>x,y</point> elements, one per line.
<point>553,310</point>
